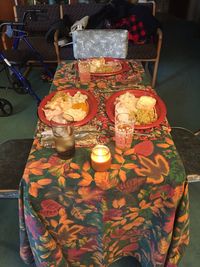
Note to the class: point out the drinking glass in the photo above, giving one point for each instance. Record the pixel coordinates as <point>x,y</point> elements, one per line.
<point>84,71</point>
<point>124,128</point>
<point>119,108</point>
<point>64,137</point>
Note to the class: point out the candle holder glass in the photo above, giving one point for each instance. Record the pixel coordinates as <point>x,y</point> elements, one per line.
<point>100,158</point>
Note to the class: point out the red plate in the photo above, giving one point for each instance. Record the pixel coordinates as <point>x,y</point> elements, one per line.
<point>91,102</point>
<point>124,67</point>
<point>160,107</point>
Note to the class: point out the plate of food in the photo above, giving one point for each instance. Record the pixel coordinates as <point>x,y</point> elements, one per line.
<point>106,66</point>
<point>80,104</point>
<point>147,108</point>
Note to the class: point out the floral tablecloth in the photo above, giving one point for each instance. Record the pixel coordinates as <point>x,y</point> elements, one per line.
<point>71,215</point>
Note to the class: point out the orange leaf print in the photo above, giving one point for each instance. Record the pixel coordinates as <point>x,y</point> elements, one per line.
<point>178,192</point>
<point>36,171</point>
<point>61,181</point>
<point>26,175</point>
<point>87,194</point>
<point>162,163</point>
<point>84,191</point>
<point>115,166</point>
<point>51,245</point>
<point>74,175</point>
<point>154,170</point>
<point>102,180</point>
<point>129,166</point>
<point>86,166</point>
<point>87,176</point>
<point>129,248</point>
<point>65,221</point>
<point>137,222</point>
<point>71,231</point>
<point>119,158</point>
<point>54,223</point>
<point>118,151</point>
<point>129,152</point>
<point>112,247</point>
<point>183,218</point>
<point>45,165</point>
<point>128,226</point>
<point>36,144</point>
<point>144,148</point>
<point>163,246</point>
<point>132,215</point>
<point>164,145</point>
<point>33,190</point>
<point>74,166</point>
<point>62,212</point>
<point>158,203</point>
<point>34,164</point>
<point>77,213</point>
<point>123,221</point>
<point>39,164</point>
<point>44,181</point>
<point>87,179</point>
<point>118,203</point>
<point>118,222</point>
<point>144,205</point>
<point>114,174</point>
<point>131,185</point>
<point>169,204</point>
<point>57,170</point>
<point>169,141</point>
<point>122,175</point>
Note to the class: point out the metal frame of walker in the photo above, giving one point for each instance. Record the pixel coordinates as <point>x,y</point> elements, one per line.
<point>17,32</point>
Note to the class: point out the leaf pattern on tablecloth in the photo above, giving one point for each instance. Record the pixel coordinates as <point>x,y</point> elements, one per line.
<point>155,170</point>
<point>71,215</point>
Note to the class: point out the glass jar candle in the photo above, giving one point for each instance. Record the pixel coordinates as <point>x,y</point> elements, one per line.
<point>100,158</point>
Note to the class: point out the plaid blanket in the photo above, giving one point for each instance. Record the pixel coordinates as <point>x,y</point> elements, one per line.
<point>137,33</point>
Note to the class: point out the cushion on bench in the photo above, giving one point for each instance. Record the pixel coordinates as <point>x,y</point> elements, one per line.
<point>100,43</point>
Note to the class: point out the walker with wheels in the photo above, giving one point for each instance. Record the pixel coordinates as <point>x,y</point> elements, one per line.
<point>13,60</point>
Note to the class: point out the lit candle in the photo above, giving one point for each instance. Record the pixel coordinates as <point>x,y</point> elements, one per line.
<point>100,158</point>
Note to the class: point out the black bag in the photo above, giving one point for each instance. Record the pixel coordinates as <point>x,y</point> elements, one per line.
<point>63,25</point>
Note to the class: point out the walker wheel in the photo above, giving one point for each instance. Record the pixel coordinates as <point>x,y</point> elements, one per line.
<point>6,108</point>
<point>19,88</point>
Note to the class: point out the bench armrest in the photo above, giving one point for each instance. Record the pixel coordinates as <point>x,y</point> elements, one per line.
<point>159,34</point>
<point>56,34</point>
<point>159,41</point>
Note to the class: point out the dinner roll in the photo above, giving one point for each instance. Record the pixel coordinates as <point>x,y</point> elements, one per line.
<point>146,102</point>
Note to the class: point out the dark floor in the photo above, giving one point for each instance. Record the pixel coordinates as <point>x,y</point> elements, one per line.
<point>178,85</point>
<point>179,72</point>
